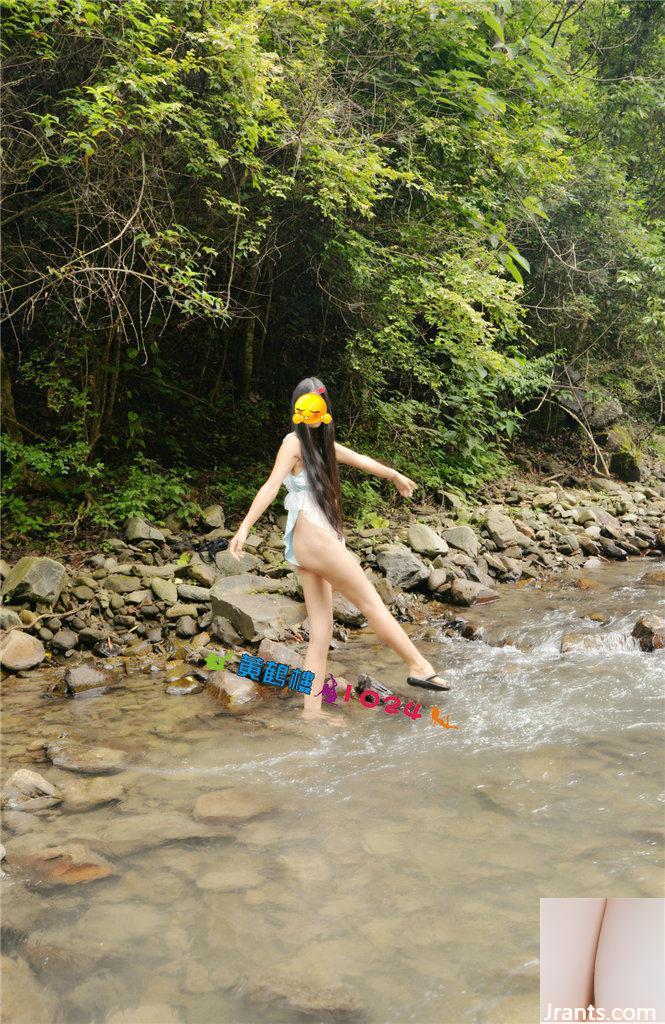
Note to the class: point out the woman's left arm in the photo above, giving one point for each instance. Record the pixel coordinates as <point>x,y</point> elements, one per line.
<point>404,484</point>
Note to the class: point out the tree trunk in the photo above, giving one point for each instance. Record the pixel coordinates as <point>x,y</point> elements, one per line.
<point>250,331</point>
<point>8,411</point>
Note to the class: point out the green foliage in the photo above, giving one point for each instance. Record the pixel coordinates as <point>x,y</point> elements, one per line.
<point>145,489</point>
<point>432,205</point>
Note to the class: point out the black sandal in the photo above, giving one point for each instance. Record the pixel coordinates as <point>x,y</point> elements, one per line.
<point>425,683</point>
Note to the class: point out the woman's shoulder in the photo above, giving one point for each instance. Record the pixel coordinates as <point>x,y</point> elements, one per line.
<point>292,440</point>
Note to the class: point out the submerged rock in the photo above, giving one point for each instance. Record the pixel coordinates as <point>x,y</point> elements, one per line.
<point>26,790</point>
<point>289,991</point>
<point>24,1000</point>
<point>19,650</point>
<point>68,864</point>
<point>75,756</point>
<point>230,805</point>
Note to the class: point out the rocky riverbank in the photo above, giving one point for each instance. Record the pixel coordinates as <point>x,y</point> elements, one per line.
<point>153,602</point>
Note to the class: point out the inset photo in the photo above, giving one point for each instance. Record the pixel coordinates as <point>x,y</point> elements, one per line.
<point>602,960</point>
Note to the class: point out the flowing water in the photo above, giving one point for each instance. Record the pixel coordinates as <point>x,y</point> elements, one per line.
<point>402,864</point>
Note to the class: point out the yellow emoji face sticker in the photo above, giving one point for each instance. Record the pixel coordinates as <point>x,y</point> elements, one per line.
<point>311,409</point>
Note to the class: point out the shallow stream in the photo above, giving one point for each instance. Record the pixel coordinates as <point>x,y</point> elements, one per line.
<point>398,875</point>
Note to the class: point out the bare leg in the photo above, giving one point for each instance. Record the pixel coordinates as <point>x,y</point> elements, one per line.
<point>569,930</point>
<point>318,601</point>
<point>630,957</point>
<point>322,554</point>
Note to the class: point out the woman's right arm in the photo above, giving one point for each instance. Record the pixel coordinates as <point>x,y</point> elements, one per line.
<point>286,457</point>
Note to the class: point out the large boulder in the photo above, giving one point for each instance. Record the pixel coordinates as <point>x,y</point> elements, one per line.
<point>463,539</point>
<point>35,579</point>
<point>256,607</point>
<point>402,568</point>
<point>605,414</point>
<point>627,466</point>
<point>426,541</point>
<point>501,529</point>
<point>19,650</point>
<point>137,529</point>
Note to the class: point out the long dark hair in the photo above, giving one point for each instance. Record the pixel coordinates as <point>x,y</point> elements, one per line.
<point>318,454</point>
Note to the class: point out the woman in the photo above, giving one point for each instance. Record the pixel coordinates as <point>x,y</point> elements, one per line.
<point>307,464</point>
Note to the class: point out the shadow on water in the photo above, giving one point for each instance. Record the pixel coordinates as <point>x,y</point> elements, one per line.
<point>396,874</point>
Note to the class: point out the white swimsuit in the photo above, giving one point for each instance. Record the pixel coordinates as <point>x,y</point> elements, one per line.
<point>300,498</point>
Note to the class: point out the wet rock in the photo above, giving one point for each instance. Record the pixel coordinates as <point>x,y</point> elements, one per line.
<point>24,1000</point>
<point>425,541</point>
<point>402,568</point>
<point>649,630</point>
<point>105,649</point>
<point>68,864</point>
<point>578,642</point>
<point>230,805</point>
<point>65,640</point>
<point>237,694</point>
<point>654,579</point>
<point>213,516</point>
<point>137,529</point>
<point>164,590</point>
<point>344,611</point>
<point>585,583</point>
<point>35,579</point>
<point>288,991</point>
<point>184,688</point>
<point>254,606</point>
<point>75,756</point>
<point>229,879</point>
<point>127,834</point>
<point>85,679</point>
<point>466,592</point>
<point>611,549</point>
<point>26,790</point>
<point>274,650</point>
<point>20,651</point>
<point>81,795</point>
<point>146,1013</point>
